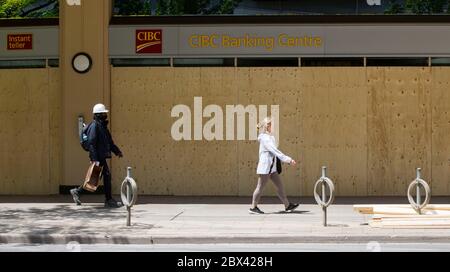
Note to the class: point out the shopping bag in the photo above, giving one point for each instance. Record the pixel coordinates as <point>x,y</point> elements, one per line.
<point>93,177</point>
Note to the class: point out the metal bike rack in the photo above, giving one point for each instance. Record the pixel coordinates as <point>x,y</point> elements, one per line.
<point>324,182</point>
<point>417,183</point>
<point>128,193</point>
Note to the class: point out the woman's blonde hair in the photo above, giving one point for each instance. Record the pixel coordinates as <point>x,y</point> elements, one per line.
<point>262,126</point>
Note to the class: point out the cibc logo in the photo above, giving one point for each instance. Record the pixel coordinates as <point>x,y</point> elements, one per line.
<point>149,41</point>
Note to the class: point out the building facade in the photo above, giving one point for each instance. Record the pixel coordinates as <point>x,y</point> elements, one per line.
<point>365,96</point>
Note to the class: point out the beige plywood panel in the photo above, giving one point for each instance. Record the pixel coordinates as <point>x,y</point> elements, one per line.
<point>183,154</point>
<point>24,133</point>
<point>441,131</point>
<point>247,150</point>
<point>399,127</point>
<point>140,114</point>
<point>369,128</point>
<point>334,133</point>
<point>204,167</point>
<point>164,165</point>
<point>270,87</point>
<point>55,120</point>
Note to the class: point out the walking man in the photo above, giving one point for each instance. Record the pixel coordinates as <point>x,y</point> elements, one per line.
<point>100,145</point>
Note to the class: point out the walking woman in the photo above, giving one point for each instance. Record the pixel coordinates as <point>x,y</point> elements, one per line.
<point>267,167</point>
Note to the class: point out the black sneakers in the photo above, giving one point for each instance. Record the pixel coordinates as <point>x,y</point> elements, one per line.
<point>291,207</point>
<point>75,196</point>
<point>112,203</point>
<point>255,210</point>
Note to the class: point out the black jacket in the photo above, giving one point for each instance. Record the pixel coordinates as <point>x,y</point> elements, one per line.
<point>100,141</point>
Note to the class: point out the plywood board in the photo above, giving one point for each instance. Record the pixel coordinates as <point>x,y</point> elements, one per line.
<point>412,224</point>
<point>163,165</point>
<point>141,100</point>
<point>24,133</point>
<point>55,120</point>
<point>333,130</point>
<point>399,128</point>
<point>441,131</point>
<point>215,161</point>
<point>370,127</point>
<point>398,209</point>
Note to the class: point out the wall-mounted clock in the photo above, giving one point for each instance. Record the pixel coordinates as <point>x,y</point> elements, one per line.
<point>82,63</point>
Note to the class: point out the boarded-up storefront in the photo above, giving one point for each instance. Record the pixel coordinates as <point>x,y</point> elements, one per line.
<point>371,126</point>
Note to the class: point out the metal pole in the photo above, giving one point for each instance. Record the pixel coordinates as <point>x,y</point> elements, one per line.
<point>129,216</point>
<point>324,208</point>
<point>128,207</point>
<point>324,173</point>
<point>129,197</point>
<point>128,172</point>
<point>418,188</point>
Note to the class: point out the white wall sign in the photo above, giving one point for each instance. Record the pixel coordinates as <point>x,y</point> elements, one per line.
<point>73,2</point>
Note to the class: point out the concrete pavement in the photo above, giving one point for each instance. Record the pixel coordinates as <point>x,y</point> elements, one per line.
<point>196,220</point>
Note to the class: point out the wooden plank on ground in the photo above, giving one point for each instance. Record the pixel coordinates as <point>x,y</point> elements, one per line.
<point>440,214</point>
<point>372,209</point>
<point>411,225</point>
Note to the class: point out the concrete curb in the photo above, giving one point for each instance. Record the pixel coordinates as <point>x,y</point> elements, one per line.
<point>229,239</point>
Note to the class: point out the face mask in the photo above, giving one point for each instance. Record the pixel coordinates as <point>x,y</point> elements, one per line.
<point>102,117</point>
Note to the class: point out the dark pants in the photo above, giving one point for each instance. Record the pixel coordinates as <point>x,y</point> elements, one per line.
<point>106,181</point>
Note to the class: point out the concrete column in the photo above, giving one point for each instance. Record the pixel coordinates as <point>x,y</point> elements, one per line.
<point>83,28</point>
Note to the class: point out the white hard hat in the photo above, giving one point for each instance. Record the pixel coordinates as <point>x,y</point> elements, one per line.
<point>99,108</point>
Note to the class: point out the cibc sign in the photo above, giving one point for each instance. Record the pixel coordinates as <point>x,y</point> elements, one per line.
<point>149,41</point>
<point>20,41</point>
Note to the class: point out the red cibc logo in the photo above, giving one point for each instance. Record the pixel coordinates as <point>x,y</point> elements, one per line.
<point>149,41</point>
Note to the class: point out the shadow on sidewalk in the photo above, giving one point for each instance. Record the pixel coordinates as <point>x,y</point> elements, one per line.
<point>64,219</point>
<point>293,212</point>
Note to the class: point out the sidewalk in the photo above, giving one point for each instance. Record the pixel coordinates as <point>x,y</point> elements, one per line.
<point>163,220</point>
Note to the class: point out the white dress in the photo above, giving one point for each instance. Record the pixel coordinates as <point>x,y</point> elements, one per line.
<point>267,153</point>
